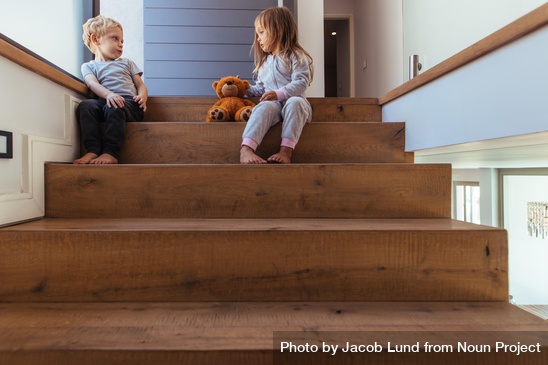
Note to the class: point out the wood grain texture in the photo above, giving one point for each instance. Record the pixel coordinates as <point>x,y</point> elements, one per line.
<point>515,30</point>
<point>245,333</point>
<point>219,143</point>
<point>245,260</point>
<point>188,109</point>
<point>246,191</point>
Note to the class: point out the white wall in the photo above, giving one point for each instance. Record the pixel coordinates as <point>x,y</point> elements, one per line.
<point>40,114</point>
<point>40,30</point>
<point>310,14</point>
<point>502,94</point>
<point>130,14</point>
<point>379,44</point>
<point>528,256</point>
<point>437,29</point>
<point>338,6</point>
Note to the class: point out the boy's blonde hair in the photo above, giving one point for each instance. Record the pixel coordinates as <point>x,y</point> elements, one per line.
<point>97,26</point>
<point>282,28</point>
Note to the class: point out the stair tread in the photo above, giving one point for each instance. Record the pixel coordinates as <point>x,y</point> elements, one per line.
<point>324,109</point>
<point>232,326</point>
<point>248,224</point>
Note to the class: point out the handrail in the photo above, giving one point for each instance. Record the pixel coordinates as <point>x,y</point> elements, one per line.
<point>515,30</point>
<point>40,66</point>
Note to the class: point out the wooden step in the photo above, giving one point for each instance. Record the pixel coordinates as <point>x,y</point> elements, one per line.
<point>200,142</point>
<point>248,191</point>
<point>185,109</point>
<point>252,333</point>
<point>252,260</point>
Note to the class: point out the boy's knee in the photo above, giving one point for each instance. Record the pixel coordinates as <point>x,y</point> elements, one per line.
<point>88,105</point>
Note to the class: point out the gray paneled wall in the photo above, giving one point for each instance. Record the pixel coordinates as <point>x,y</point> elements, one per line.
<point>191,43</point>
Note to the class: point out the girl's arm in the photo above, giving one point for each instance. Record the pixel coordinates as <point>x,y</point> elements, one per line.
<point>142,92</point>
<point>300,78</point>
<point>257,89</point>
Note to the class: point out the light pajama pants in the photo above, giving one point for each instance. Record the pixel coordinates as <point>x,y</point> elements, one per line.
<point>295,113</point>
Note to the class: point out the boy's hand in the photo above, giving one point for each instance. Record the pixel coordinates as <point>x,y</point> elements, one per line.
<point>115,101</point>
<point>142,101</point>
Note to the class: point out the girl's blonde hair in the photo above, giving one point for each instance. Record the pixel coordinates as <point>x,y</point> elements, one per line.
<point>97,26</point>
<point>279,23</point>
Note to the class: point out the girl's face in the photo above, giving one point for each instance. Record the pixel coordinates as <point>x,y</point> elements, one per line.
<point>264,40</point>
<point>109,46</point>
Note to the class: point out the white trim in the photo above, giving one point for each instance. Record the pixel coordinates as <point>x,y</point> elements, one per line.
<point>30,203</point>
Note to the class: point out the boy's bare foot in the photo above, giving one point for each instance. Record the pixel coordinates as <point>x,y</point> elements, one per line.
<point>284,156</point>
<point>104,159</point>
<point>87,158</point>
<point>248,156</point>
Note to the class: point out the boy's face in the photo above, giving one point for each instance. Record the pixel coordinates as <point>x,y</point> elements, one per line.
<point>109,46</point>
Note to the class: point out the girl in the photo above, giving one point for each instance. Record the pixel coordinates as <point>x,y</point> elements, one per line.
<point>284,71</point>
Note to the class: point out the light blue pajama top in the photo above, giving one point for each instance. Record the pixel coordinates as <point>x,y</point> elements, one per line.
<point>286,80</point>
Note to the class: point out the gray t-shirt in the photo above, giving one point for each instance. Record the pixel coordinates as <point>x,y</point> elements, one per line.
<point>117,75</point>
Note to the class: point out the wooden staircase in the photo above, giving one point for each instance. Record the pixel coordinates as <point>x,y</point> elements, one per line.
<point>180,255</point>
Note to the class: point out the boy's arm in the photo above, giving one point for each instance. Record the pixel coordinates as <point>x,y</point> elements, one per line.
<point>142,92</point>
<point>113,100</point>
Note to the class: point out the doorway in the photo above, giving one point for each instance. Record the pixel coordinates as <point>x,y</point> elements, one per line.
<point>338,56</point>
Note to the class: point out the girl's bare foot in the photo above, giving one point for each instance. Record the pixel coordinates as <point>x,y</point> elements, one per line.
<point>284,156</point>
<point>104,159</point>
<point>248,156</point>
<point>87,158</point>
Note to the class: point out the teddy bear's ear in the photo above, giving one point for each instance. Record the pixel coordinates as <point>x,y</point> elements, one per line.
<point>215,83</point>
<point>246,84</point>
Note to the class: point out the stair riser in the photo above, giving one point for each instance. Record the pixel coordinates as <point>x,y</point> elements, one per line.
<point>253,266</point>
<point>243,191</point>
<point>324,109</point>
<point>208,143</point>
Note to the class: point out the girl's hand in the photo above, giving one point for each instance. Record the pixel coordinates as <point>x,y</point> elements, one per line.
<point>269,95</point>
<point>114,100</point>
<point>142,101</point>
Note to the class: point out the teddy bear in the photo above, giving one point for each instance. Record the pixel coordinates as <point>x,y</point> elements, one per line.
<point>232,105</point>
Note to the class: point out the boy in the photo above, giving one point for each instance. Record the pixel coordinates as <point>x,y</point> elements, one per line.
<point>122,94</point>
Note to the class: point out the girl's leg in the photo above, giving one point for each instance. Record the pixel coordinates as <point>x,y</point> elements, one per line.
<point>295,114</point>
<point>263,117</point>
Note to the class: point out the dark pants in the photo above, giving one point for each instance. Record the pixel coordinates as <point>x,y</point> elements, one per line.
<point>91,112</point>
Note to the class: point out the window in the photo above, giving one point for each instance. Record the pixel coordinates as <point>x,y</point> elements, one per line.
<point>466,204</point>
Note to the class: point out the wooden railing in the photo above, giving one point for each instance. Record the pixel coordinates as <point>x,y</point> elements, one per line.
<point>515,30</point>
<point>38,65</point>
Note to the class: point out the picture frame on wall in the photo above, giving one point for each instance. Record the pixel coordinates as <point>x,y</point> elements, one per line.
<point>6,144</point>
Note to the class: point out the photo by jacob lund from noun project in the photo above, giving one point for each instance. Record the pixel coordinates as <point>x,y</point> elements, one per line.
<point>412,347</point>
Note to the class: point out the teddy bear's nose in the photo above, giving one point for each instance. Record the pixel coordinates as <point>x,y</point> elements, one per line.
<point>229,83</point>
